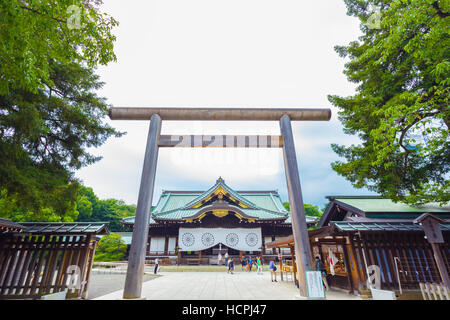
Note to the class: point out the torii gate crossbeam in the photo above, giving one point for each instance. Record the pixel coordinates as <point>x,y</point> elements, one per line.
<point>136,259</point>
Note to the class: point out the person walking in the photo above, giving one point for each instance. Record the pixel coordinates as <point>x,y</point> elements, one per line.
<point>156,266</point>
<point>273,270</point>
<point>226,258</point>
<point>250,263</point>
<point>258,265</point>
<point>219,259</point>
<point>320,267</point>
<point>243,263</point>
<point>230,265</point>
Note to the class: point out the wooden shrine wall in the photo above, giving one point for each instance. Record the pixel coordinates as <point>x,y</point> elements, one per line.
<point>415,257</point>
<point>32,266</point>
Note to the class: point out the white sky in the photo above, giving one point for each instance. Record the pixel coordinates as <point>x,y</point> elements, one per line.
<point>225,53</point>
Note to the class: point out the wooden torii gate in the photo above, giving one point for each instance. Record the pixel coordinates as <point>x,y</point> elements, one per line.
<point>136,260</point>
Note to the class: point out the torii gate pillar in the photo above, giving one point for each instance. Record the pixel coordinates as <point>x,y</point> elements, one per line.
<point>136,256</point>
<point>298,217</point>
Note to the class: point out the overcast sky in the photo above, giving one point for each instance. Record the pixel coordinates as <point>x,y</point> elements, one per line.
<point>225,53</point>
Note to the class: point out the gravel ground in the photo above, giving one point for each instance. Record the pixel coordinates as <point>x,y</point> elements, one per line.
<point>101,284</point>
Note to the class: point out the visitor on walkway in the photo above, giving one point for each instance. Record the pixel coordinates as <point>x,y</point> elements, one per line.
<point>320,267</point>
<point>226,258</point>
<point>156,266</point>
<point>250,263</point>
<point>219,259</point>
<point>259,266</point>
<point>243,263</point>
<point>230,265</point>
<point>273,270</point>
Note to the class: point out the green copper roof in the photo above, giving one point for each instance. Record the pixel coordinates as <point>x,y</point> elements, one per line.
<point>383,226</point>
<point>221,183</point>
<point>174,205</point>
<point>171,201</point>
<point>375,204</point>
<point>269,201</point>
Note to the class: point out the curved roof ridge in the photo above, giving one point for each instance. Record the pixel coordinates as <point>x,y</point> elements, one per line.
<point>220,182</point>
<point>160,215</point>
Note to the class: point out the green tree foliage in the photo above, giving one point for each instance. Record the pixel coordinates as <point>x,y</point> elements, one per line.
<point>49,111</point>
<point>33,33</point>
<point>11,209</point>
<point>44,137</point>
<point>400,110</point>
<point>90,208</point>
<point>87,207</point>
<point>111,248</point>
<point>310,210</point>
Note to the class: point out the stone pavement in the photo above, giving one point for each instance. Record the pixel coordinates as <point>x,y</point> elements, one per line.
<point>102,282</point>
<point>220,286</point>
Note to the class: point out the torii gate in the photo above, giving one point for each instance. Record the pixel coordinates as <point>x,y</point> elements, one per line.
<point>136,260</point>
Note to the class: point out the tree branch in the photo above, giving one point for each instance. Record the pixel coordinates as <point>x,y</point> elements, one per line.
<point>439,11</point>
<point>40,13</point>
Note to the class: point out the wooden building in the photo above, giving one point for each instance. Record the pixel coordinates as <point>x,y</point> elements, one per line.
<point>356,232</point>
<point>37,258</point>
<point>192,227</point>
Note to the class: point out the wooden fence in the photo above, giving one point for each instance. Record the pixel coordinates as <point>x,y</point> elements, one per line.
<point>36,265</point>
<point>407,257</point>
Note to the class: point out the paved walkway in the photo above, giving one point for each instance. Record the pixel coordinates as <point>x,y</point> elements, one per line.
<point>101,283</point>
<point>220,286</point>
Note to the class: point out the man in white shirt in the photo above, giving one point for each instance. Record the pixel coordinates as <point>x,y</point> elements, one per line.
<point>226,258</point>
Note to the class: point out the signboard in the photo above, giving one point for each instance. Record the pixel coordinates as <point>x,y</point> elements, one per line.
<point>314,284</point>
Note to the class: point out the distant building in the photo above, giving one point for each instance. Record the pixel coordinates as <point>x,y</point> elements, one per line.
<point>194,226</point>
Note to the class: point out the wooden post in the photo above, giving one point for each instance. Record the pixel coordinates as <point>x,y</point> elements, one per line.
<point>280,257</point>
<point>441,264</point>
<point>294,267</point>
<point>136,259</point>
<point>274,250</point>
<point>299,226</point>
<point>90,263</point>
<point>348,267</point>
<point>166,245</point>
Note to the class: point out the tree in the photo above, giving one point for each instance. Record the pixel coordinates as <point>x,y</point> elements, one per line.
<point>84,208</point>
<point>33,34</point>
<point>90,208</point>
<point>13,210</point>
<point>44,137</point>
<point>310,210</point>
<point>111,248</point>
<point>49,111</point>
<point>400,109</point>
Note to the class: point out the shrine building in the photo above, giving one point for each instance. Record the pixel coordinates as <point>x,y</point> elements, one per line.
<point>192,227</point>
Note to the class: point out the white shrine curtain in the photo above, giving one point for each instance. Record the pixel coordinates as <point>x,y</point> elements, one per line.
<point>171,244</point>
<point>157,244</point>
<point>244,239</point>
